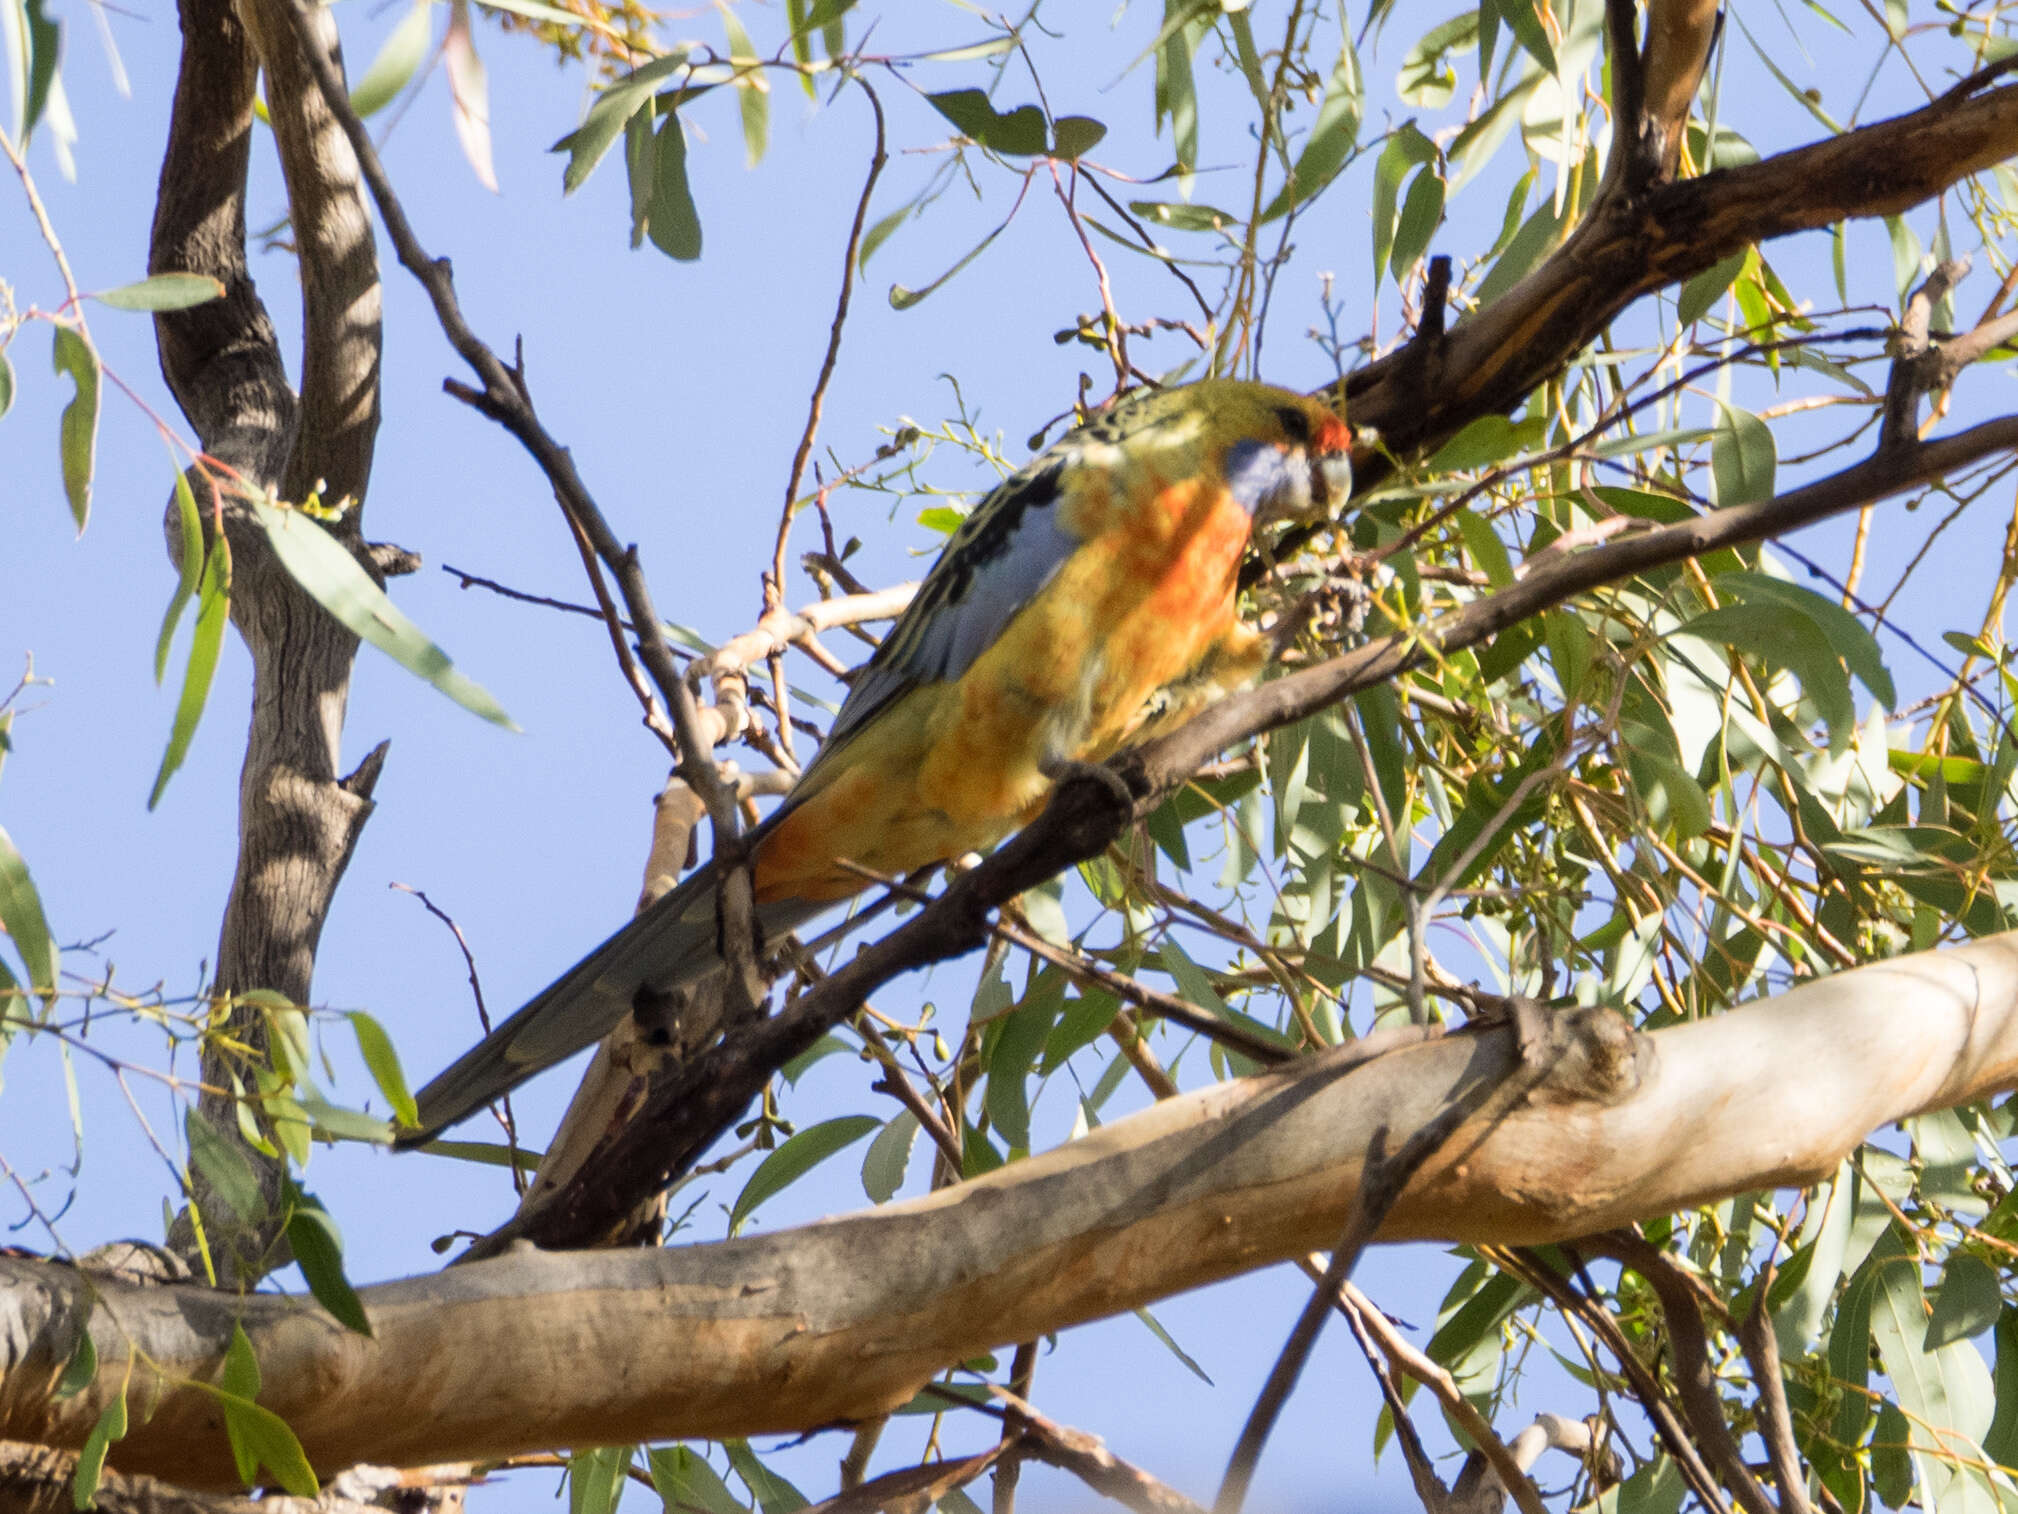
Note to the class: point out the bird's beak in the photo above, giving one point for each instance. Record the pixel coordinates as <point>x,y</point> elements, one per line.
<point>1334,478</point>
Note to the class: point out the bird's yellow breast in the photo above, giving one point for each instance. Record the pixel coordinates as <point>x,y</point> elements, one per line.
<point>953,766</point>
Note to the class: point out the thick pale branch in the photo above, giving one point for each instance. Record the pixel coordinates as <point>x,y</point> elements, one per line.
<point>845,1319</point>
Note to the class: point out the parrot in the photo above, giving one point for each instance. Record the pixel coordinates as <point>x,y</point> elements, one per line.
<point>1089,600</point>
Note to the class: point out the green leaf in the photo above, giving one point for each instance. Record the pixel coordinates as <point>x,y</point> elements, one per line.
<point>774,1494</point>
<point>1537,235</point>
<point>224,1166</point>
<point>22,918</point>
<point>78,430</point>
<point>673,223</point>
<point>2000,1441</point>
<point>1184,217</point>
<point>795,1158</point>
<point>641,158</point>
<point>1742,455</point>
<point>587,143</point>
<point>1075,136</point>
<point>34,43</point>
<point>382,1061</point>
<point>261,1438</point>
<point>889,1157</point>
<point>1015,1040</point>
<point>1848,636</point>
<point>1170,1344</point>
<point>596,1478</point>
<point>484,1153</point>
<point>191,527</point>
<point>1782,637</point>
<point>685,1481</point>
<point>6,384</point>
<point>1891,1461</point>
<point>110,1426</point>
<point>753,90</point>
<point>1968,1303</point>
<point>1525,22</point>
<point>1488,440</point>
<point>1421,211</point>
<point>1427,77</point>
<point>1946,1391</point>
<point>81,1368</point>
<point>332,577</point>
<point>318,1251</point>
<point>164,291</point>
<point>1406,148</point>
<point>213,612</point>
<point>1332,137</point>
<point>902,298</point>
<point>398,57</point>
<point>1707,287</point>
<point>1176,93</point>
<point>239,1375</point>
<point>1019,133</point>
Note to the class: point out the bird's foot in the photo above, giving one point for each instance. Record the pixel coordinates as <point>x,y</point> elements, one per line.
<point>1062,769</point>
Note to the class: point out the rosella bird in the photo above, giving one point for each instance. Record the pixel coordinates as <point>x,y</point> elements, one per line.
<point>1092,595</point>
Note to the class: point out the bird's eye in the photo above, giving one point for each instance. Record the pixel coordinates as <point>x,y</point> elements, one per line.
<point>1295,425</point>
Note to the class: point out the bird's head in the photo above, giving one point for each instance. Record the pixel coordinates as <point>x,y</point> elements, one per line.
<point>1286,457</point>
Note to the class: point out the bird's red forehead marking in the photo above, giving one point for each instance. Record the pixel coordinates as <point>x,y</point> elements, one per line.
<point>1333,435</point>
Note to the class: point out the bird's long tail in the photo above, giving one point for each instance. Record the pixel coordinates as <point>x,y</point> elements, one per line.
<point>670,943</point>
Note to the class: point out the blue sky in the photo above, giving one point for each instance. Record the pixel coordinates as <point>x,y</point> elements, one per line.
<point>681,389</point>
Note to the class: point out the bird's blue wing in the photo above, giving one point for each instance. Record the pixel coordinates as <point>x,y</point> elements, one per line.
<point>1002,555</point>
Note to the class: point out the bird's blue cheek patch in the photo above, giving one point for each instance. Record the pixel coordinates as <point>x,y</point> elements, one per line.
<point>1256,472</point>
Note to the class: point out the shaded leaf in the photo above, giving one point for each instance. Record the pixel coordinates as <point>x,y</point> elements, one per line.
<point>1967,1304</point>
<point>109,1426</point>
<point>1170,1344</point>
<point>1075,136</point>
<point>226,1169</point>
<point>318,1251</point>
<point>1742,454</point>
<point>22,918</point>
<point>398,58</point>
<point>1016,133</point>
<point>1184,217</point>
<point>685,1481</point>
<point>753,90</point>
<point>795,1158</point>
<point>587,143</point>
<point>213,612</point>
<point>34,43</point>
<point>164,291</point>
<point>319,563</point>
<point>774,1494</point>
<point>81,1368</point>
<point>596,1478</point>
<point>382,1061</point>
<point>77,433</point>
<point>1332,137</point>
<point>673,223</point>
<point>889,1157</point>
<point>190,525</point>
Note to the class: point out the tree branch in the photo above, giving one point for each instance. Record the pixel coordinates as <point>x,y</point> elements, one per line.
<point>298,821</point>
<point>1633,244</point>
<point>841,1320</point>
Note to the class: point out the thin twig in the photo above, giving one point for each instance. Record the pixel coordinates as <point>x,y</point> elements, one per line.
<point>774,595</point>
